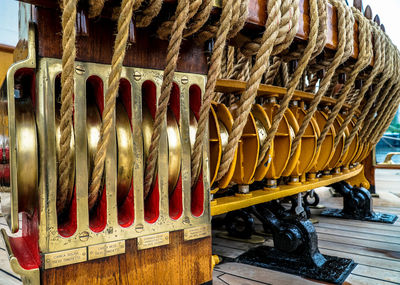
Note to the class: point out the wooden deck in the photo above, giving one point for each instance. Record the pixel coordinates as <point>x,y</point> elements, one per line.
<point>375,247</point>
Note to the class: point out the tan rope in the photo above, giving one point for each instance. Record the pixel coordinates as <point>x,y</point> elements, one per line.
<point>338,58</point>
<point>377,69</point>
<point>200,18</point>
<point>149,13</point>
<point>181,16</point>
<point>212,76</point>
<point>95,7</point>
<point>273,70</point>
<point>230,61</point>
<point>386,123</point>
<point>294,81</point>
<point>67,91</point>
<point>112,92</point>
<point>364,31</point>
<point>247,98</point>
<point>363,60</point>
<point>391,71</point>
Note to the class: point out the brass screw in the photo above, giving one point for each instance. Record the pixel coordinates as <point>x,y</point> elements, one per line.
<point>80,69</point>
<point>137,76</point>
<point>84,236</point>
<point>139,228</point>
<point>184,80</point>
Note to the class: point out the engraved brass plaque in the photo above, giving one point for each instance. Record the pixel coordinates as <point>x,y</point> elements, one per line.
<point>66,257</point>
<point>197,232</point>
<point>153,241</point>
<point>106,249</point>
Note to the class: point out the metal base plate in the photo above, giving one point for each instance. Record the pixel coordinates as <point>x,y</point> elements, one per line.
<point>376,217</point>
<point>334,271</point>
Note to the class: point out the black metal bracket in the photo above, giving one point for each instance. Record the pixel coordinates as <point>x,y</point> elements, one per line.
<point>295,247</point>
<point>357,205</point>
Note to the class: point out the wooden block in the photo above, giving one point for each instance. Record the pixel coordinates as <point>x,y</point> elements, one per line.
<point>180,262</point>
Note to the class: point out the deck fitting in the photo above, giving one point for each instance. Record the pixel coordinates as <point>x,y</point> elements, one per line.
<point>357,205</point>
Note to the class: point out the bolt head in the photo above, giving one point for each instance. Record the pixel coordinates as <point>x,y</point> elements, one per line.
<point>184,80</point>
<point>80,69</point>
<point>84,236</point>
<point>137,75</point>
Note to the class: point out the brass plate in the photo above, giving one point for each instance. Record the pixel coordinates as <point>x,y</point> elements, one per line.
<point>153,241</point>
<point>197,232</point>
<point>66,257</point>
<point>106,249</point>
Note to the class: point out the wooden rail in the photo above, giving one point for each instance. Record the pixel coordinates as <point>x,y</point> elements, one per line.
<point>257,17</point>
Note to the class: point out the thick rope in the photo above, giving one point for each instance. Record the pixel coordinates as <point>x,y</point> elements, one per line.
<point>95,7</point>
<point>67,91</point>
<point>370,121</point>
<point>111,94</point>
<point>294,81</point>
<point>364,30</point>
<point>200,18</point>
<point>338,58</point>
<point>377,69</point>
<point>165,28</point>
<point>149,13</point>
<point>363,60</point>
<point>212,76</point>
<point>247,98</point>
<point>181,16</point>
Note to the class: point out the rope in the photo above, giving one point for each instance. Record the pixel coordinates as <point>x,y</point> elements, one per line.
<point>200,18</point>
<point>180,18</point>
<point>247,98</point>
<point>362,61</point>
<point>369,124</point>
<point>364,30</point>
<point>377,69</point>
<point>111,94</point>
<point>284,104</point>
<point>273,70</point>
<point>95,7</point>
<point>338,58</point>
<point>213,74</point>
<point>67,91</point>
<point>149,13</point>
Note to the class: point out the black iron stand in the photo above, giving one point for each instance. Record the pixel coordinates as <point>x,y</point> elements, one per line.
<point>357,205</point>
<point>295,248</point>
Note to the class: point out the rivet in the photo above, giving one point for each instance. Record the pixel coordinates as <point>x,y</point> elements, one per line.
<point>80,69</point>
<point>137,76</point>
<point>184,80</point>
<point>84,236</point>
<point>139,228</point>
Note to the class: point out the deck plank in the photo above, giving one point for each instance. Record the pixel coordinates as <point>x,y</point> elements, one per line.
<point>361,236</point>
<point>390,233</point>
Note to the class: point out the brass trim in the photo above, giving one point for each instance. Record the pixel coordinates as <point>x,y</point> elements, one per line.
<point>32,276</point>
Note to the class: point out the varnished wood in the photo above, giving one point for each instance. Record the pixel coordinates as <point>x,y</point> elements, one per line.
<point>236,86</point>
<point>369,170</point>
<point>148,52</point>
<point>257,17</point>
<point>180,262</point>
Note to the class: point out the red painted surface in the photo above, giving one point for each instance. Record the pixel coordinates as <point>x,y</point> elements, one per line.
<point>126,211</point>
<point>151,204</point>
<point>197,197</point>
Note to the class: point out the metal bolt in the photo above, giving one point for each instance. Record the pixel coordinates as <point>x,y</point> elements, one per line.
<point>139,228</point>
<point>80,69</point>
<point>184,80</point>
<point>137,76</point>
<point>84,236</point>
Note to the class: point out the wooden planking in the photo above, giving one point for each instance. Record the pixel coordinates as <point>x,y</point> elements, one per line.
<point>360,236</point>
<point>385,232</point>
<point>363,224</point>
<point>147,52</point>
<point>262,274</point>
<point>179,262</point>
<point>6,279</point>
<point>232,280</point>
<point>354,279</point>
<point>226,252</point>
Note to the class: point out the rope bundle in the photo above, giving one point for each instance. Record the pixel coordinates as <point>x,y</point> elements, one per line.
<point>254,60</point>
